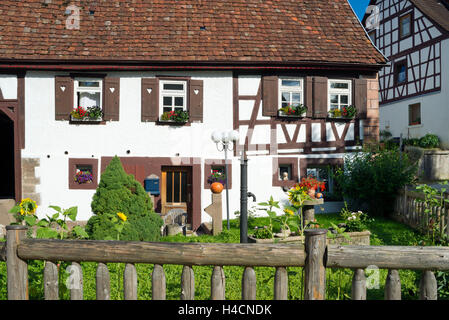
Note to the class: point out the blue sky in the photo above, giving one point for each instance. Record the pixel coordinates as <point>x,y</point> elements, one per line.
<point>359,7</point>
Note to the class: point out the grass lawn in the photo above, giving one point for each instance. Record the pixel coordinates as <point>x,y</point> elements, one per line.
<point>384,232</point>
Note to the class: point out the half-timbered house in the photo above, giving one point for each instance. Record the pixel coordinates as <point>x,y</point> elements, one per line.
<point>227,64</point>
<point>414,89</point>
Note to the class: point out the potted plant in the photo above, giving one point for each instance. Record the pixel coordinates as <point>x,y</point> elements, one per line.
<point>348,112</point>
<point>82,177</point>
<point>90,114</point>
<point>311,185</point>
<point>177,116</point>
<point>296,111</point>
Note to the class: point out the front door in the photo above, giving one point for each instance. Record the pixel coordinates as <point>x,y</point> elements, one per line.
<point>176,190</point>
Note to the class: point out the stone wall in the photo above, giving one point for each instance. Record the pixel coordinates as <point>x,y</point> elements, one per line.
<point>30,180</point>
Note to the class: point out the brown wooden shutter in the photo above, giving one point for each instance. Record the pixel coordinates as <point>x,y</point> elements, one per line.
<point>111,103</point>
<point>360,97</point>
<point>270,95</point>
<point>150,99</point>
<point>63,97</point>
<point>196,100</point>
<point>308,95</point>
<point>320,97</point>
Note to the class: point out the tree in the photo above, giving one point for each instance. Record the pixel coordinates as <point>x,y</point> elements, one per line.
<point>120,192</point>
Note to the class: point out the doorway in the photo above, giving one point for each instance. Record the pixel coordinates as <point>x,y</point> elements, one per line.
<point>7,184</point>
<point>176,190</point>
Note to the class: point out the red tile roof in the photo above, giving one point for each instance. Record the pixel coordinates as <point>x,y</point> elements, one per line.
<point>236,31</point>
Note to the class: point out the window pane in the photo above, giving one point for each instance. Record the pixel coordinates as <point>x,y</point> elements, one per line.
<point>183,186</point>
<point>176,186</point>
<point>167,109</point>
<point>88,99</point>
<point>173,86</point>
<point>179,101</point>
<point>169,189</point>
<point>178,109</point>
<point>334,106</point>
<point>405,26</point>
<point>296,98</point>
<point>286,97</point>
<point>291,83</point>
<point>344,99</point>
<point>339,85</point>
<point>334,98</point>
<point>401,75</point>
<point>285,172</point>
<point>167,101</point>
<point>285,104</point>
<point>89,84</point>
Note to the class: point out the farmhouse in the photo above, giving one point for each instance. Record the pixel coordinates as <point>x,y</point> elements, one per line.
<point>414,90</point>
<point>157,78</point>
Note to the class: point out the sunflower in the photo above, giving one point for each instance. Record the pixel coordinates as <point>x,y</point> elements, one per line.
<point>27,207</point>
<point>122,216</point>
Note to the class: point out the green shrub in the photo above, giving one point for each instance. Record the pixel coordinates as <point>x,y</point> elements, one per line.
<point>120,192</point>
<point>374,178</point>
<point>429,141</point>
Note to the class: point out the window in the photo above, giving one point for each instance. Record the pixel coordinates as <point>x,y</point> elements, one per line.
<point>405,26</point>
<point>214,171</point>
<point>326,174</point>
<point>173,95</point>
<point>83,173</point>
<point>400,72</point>
<point>285,172</point>
<point>291,92</point>
<point>414,114</point>
<point>88,93</point>
<point>339,94</point>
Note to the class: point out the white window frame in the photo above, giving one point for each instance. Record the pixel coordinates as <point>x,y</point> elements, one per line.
<point>172,93</point>
<point>299,90</point>
<point>77,89</point>
<point>333,91</point>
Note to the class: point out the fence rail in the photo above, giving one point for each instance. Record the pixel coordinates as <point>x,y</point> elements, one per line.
<point>314,256</point>
<point>410,209</point>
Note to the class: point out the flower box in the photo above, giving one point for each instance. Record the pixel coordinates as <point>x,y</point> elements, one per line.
<point>282,114</point>
<point>175,117</point>
<point>356,238</point>
<point>84,120</point>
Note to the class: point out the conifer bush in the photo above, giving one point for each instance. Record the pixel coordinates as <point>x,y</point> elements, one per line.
<point>120,192</point>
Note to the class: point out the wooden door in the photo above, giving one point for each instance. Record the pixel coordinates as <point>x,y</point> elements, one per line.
<point>176,189</point>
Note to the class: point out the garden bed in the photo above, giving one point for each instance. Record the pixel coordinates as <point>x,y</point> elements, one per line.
<point>356,238</point>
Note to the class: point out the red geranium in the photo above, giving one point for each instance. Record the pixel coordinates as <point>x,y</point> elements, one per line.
<point>311,183</point>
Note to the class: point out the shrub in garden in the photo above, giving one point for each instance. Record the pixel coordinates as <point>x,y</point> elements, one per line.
<point>375,178</point>
<point>429,141</point>
<point>120,192</point>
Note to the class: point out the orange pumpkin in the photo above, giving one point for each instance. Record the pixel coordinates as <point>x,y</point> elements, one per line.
<point>319,195</point>
<point>216,187</point>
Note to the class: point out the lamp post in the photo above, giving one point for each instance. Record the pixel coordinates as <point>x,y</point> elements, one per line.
<point>224,141</point>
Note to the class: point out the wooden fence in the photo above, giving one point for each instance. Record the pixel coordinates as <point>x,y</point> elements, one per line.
<point>410,210</point>
<point>314,256</point>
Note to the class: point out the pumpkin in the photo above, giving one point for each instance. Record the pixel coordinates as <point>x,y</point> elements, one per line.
<point>216,187</point>
<point>319,195</point>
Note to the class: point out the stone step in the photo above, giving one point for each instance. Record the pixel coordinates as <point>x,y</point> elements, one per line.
<point>5,205</point>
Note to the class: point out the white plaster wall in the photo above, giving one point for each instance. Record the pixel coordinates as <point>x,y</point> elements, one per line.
<point>8,85</point>
<point>47,137</point>
<point>434,109</point>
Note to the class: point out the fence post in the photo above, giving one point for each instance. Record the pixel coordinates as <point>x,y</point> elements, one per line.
<point>17,269</point>
<point>315,267</point>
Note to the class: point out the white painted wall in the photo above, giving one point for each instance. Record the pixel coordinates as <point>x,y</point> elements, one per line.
<point>434,109</point>
<point>8,85</point>
<point>47,139</point>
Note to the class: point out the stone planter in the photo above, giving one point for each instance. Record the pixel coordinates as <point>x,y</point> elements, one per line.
<point>357,238</point>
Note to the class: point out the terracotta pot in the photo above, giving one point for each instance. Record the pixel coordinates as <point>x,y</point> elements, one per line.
<point>311,192</point>
<point>216,187</point>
